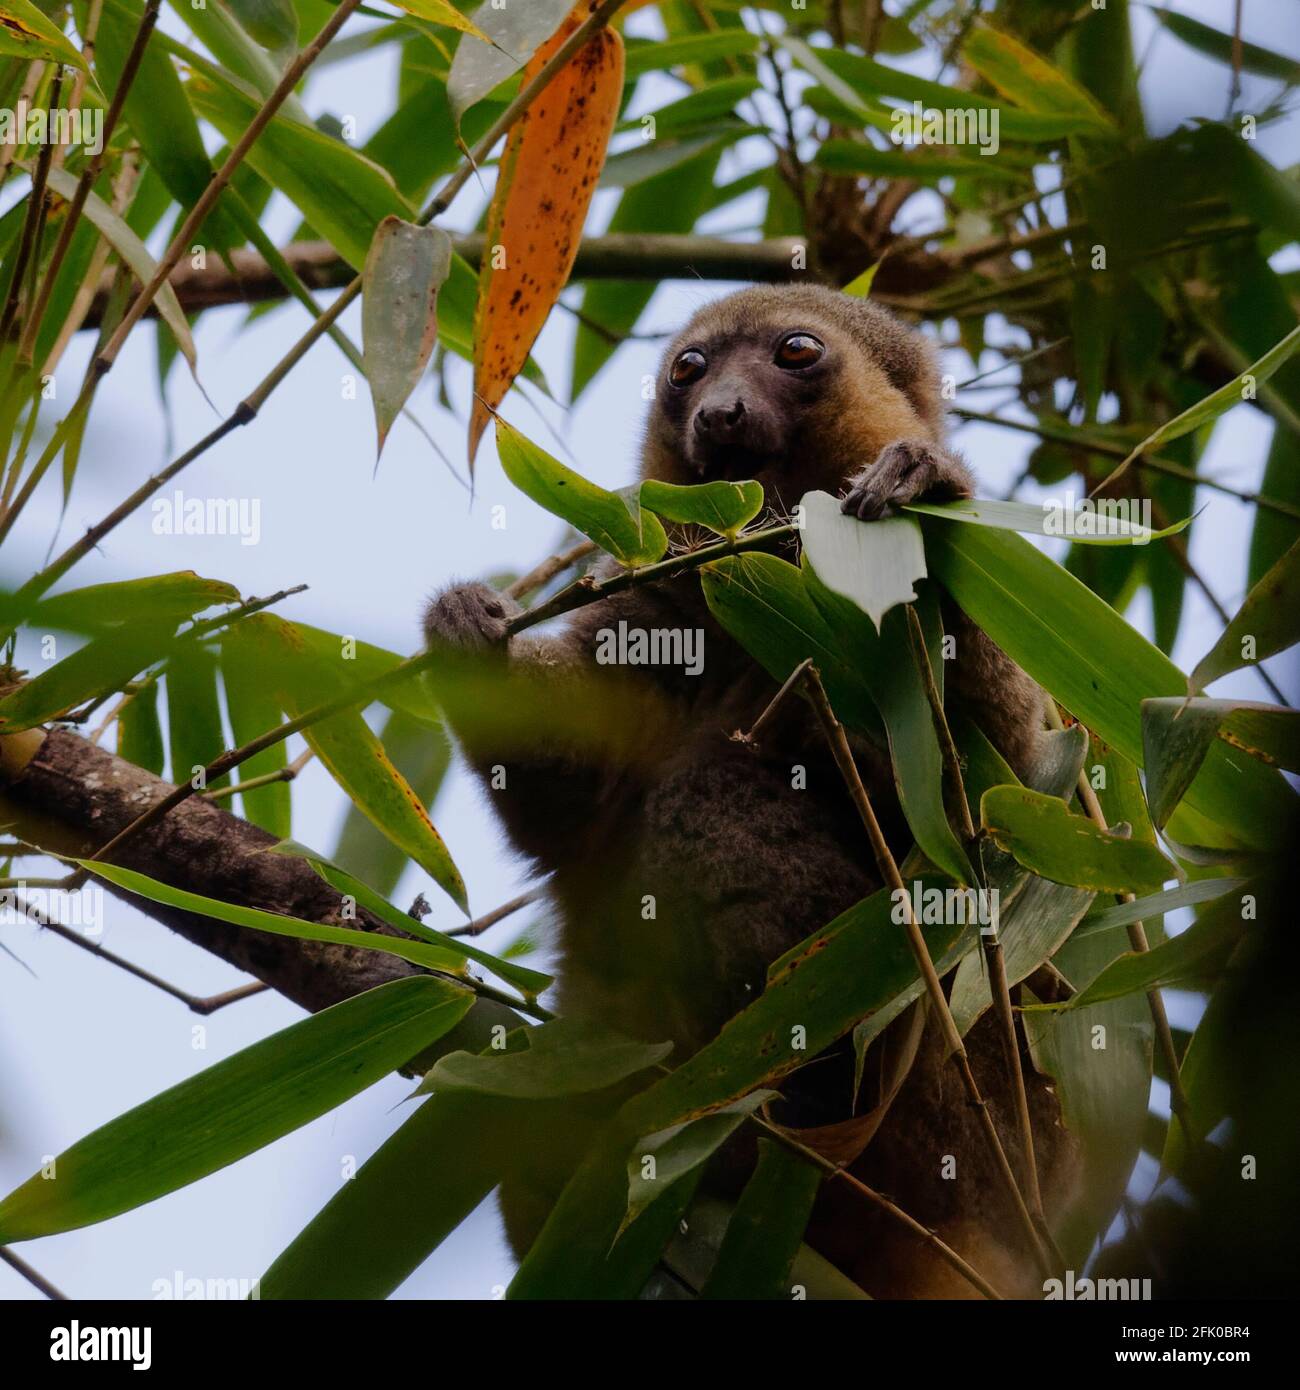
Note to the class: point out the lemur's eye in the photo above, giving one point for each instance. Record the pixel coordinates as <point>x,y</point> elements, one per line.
<point>687,367</point>
<point>798,350</point>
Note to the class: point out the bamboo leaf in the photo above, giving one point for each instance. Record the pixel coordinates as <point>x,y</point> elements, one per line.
<point>235,1107</point>
<point>875,566</point>
<point>564,1058</point>
<point>1028,79</point>
<point>616,522</point>
<point>1049,839</point>
<point>721,506</point>
<point>133,251</point>
<point>766,1229</point>
<point>509,35</point>
<point>404,271</point>
<point>1090,523</point>
<point>26,33</point>
<point>1267,622</point>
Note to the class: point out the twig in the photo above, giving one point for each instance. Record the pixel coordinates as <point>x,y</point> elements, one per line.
<point>944,1251</point>
<point>33,1277</point>
<point>196,1003</point>
<point>34,218</point>
<point>843,754</point>
<point>498,914</point>
<point>266,779</point>
<point>992,944</point>
<point>542,574</point>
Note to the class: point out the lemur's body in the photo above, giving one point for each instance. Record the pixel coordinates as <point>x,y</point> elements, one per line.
<point>799,388</point>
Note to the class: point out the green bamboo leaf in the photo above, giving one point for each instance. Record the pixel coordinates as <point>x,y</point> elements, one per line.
<point>341,193</point>
<point>1049,839</point>
<point>1177,734</point>
<point>26,33</point>
<point>423,757</point>
<point>580,1253</point>
<point>765,604</point>
<point>1228,49</point>
<point>160,117</point>
<point>153,599</point>
<point>766,1229</point>
<point>447,961</point>
<point>826,984</point>
<point>530,983</point>
<point>720,506</point>
<point>1197,954</point>
<point>566,1057</point>
<point>1267,622</point>
<point>1023,76</point>
<point>139,734</point>
<point>359,663</point>
<point>97,669</point>
<point>133,251</point>
<point>254,710</point>
<point>656,55</point>
<point>873,566</point>
<point>1101,1064</point>
<point>404,1201</point>
<point>234,1108</point>
<point>195,735</point>
<point>659,1160</point>
<point>838,156</point>
<point>405,269</point>
<point>1042,918</point>
<point>1090,523</point>
<point>273,23</point>
<point>1080,650</point>
<point>1240,388</point>
<point>1120,915</point>
<point>615,521</point>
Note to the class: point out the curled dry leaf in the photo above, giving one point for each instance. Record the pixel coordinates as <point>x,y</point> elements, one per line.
<point>552,161</point>
<point>405,269</point>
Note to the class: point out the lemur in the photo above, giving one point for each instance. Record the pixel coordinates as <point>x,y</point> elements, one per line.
<point>800,388</point>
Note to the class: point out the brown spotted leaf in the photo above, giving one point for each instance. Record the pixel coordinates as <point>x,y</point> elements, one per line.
<point>404,271</point>
<point>552,161</point>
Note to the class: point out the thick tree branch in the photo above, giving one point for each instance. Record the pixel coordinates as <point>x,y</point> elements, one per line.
<point>617,256</point>
<point>71,793</point>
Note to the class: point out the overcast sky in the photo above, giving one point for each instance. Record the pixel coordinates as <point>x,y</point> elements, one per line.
<point>81,1042</point>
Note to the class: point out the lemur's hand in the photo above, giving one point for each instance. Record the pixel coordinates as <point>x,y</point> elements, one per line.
<point>469,615</point>
<point>909,470</point>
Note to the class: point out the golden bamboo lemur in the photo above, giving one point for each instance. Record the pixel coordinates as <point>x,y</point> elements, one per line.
<point>799,388</point>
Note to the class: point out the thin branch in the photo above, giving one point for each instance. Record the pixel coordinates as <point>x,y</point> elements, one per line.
<point>543,574</point>
<point>266,779</point>
<point>34,218</point>
<point>33,1277</point>
<point>992,944</point>
<point>198,1004</point>
<point>944,1251</point>
<point>498,914</point>
<point>843,754</point>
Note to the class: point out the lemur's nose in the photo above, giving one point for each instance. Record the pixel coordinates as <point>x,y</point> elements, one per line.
<point>722,423</point>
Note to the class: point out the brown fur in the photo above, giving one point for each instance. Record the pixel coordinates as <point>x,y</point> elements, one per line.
<point>741,866</point>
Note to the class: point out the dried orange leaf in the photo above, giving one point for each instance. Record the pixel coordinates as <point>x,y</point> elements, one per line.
<point>552,162</point>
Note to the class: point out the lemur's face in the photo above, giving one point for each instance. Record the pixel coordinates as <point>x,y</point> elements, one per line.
<point>739,404</point>
<point>766,384</point>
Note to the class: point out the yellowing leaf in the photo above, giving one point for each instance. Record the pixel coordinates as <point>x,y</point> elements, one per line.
<point>552,161</point>
<point>443,12</point>
<point>26,32</point>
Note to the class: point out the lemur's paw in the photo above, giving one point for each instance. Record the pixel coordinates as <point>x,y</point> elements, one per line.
<point>908,470</point>
<point>469,615</point>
